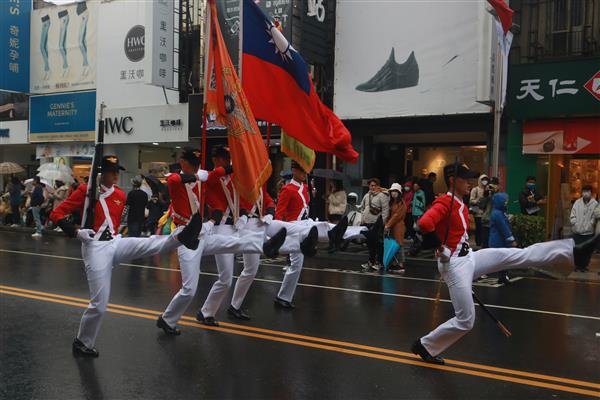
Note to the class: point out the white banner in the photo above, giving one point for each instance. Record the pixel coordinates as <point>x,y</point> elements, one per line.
<point>63,47</point>
<point>166,123</point>
<point>403,58</point>
<point>13,132</point>
<point>64,150</point>
<point>121,57</point>
<point>159,46</point>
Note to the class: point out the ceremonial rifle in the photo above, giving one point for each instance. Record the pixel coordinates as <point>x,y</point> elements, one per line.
<point>92,186</point>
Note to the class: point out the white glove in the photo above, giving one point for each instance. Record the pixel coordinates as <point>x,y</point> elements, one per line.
<point>241,222</point>
<point>207,228</point>
<point>267,219</point>
<point>444,254</point>
<point>202,175</point>
<point>85,235</point>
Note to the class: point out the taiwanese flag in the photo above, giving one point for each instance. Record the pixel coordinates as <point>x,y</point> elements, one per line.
<point>504,13</point>
<point>226,104</point>
<point>278,86</point>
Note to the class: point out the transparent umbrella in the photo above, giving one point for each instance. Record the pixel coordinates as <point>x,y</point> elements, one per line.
<point>55,172</point>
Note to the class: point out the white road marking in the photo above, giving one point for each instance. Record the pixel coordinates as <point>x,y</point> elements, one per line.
<point>325,287</point>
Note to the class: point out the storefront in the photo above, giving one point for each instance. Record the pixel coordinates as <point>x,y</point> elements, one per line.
<point>554,134</point>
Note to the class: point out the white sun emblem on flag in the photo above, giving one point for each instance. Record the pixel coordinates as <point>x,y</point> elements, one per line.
<point>282,46</point>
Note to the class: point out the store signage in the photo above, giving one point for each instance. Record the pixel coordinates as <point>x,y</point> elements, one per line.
<point>135,40</point>
<point>63,117</point>
<point>64,150</point>
<point>13,132</point>
<point>4,132</point>
<point>164,123</point>
<point>551,90</point>
<point>562,136</point>
<point>316,9</point>
<point>159,22</point>
<point>118,125</point>
<point>593,85</point>
<point>14,35</point>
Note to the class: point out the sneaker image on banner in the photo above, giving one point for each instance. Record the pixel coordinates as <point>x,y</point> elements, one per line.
<point>393,75</point>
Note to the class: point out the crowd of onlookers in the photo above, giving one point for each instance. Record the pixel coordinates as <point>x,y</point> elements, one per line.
<point>385,212</point>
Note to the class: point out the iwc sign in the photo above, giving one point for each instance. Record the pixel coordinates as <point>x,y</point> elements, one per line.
<point>135,41</point>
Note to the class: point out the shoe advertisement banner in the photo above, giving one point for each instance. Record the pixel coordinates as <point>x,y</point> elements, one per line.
<point>63,117</point>
<point>14,36</point>
<point>404,58</point>
<point>122,55</point>
<point>14,106</point>
<point>63,47</point>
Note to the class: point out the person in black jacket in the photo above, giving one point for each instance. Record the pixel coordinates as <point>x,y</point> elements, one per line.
<point>529,199</point>
<point>136,201</point>
<point>37,199</point>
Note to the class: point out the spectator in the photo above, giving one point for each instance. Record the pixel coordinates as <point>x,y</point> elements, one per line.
<point>375,210</point>
<point>500,232</point>
<point>352,211</point>
<point>136,202</point>
<point>427,187</point>
<point>419,202</point>
<point>582,218</point>
<point>395,224</point>
<point>336,202</point>
<point>155,211</point>
<point>485,205</point>
<point>477,193</point>
<point>407,196</point>
<point>60,193</point>
<point>37,199</point>
<point>15,191</point>
<point>529,199</point>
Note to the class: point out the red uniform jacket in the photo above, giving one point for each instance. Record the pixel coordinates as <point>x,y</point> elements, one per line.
<point>292,206</point>
<point>215,196</point>
<point>436,219</point>
<point>268,203</point>
<point>76,200</point>
<point>180,209</point>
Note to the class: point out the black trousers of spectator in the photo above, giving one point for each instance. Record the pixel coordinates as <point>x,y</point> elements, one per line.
<point>409,222</point>
<point>580,239</point>
<point>479,232</point>
<point>375,245</point>
<point>134,229</point>
<point>15,214</point>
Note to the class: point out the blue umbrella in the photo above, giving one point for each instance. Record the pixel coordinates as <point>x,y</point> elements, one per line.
<point>390,248</point>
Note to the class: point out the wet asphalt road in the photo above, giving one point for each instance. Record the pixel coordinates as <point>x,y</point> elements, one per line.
<point>349,337</point>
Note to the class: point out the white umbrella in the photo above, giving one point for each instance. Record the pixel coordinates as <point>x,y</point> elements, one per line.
<point>55,172</point>
<point>10,168</point>
<point>29,185</point>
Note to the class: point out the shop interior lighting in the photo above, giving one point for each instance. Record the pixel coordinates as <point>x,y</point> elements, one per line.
<point>154,143</point>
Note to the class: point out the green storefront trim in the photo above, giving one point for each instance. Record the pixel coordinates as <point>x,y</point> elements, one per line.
<point>552,90</point>
<point>518,165</point>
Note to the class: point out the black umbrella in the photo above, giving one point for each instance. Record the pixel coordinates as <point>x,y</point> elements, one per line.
<point>331,174</point>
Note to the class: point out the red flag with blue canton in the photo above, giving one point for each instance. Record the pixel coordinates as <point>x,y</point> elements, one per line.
<point>279,89</point>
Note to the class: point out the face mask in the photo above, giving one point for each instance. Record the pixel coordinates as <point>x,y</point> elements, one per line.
<point>586,195</point>
<point>485,182</point>
<point>531,186</point>
<point>407,188</point>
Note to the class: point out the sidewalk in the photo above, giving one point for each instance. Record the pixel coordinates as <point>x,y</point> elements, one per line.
<point>357,255</point>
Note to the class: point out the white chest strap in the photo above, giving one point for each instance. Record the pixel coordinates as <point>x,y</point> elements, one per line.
<point>108,223</point>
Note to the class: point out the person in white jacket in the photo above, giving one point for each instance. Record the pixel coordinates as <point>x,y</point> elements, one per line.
<point>583,218</point>
<point>336,202</point>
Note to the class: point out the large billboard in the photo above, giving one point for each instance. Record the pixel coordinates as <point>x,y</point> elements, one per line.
<point>63,47</point>
<point>403,58</point>
<point>122,57</point>
<point>14,36</point>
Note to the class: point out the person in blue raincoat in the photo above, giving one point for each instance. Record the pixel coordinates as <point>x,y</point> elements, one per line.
<point>500,231</point>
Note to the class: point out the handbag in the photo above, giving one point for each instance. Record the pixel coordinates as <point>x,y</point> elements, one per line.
<point>373,210</point>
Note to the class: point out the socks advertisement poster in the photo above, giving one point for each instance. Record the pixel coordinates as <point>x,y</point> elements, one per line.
<point>63,47</point>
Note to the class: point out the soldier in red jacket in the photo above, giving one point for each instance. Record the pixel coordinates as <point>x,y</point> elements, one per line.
<point>448,218</point>
<point>102,247</point>
<point>185,189</point>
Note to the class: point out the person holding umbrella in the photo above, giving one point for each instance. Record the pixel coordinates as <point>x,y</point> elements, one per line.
<point>37,199</point>
<point>394,227</point>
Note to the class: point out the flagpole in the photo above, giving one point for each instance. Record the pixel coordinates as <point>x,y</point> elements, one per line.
<point>207,32</point>
<point>241,40</point>
<point>497,110</point>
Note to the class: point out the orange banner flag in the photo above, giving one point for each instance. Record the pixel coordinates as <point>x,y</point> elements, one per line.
<point>226,105</point>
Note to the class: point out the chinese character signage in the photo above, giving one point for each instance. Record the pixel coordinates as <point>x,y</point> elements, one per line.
<point>554,89</point>
<point>63,117</point>
<point>159,26</point>
<point>63,47</point>
<point>14,36</point>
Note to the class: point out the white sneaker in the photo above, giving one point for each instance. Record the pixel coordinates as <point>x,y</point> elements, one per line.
<point>377,266</point>
<point>367,266</point>
<point>14,225</point>
<point>36,235</point>
<point>58,229</point>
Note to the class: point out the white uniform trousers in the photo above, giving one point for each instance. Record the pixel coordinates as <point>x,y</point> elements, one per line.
<point>221,241</point>
<point>460,272</point>
<point>248,240</point>
<point>99,259</point>
<point>291,277</point>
